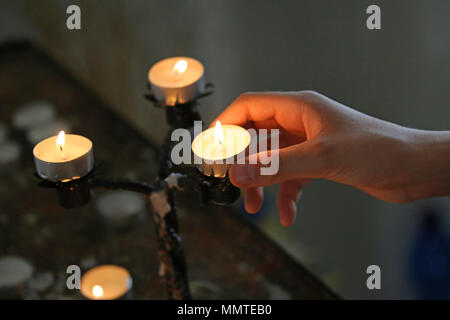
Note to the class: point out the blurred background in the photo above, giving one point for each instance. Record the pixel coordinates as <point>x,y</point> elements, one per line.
<point>399,73</point>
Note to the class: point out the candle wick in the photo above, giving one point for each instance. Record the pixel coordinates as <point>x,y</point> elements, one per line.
<point>60,148</point>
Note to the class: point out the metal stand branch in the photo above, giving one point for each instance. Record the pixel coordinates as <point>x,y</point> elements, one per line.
<point>173,268</point>
<point>123,184</point>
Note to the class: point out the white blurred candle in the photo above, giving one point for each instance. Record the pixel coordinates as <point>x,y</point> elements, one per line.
<point>34,114</point>
<point>120,208</point>
<point>38,133</point>
<point>15,273</point>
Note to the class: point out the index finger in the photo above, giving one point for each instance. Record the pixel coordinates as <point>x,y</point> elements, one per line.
<point>283,107</point>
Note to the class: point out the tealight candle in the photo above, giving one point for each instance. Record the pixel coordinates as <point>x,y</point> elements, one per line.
<point>34,114</point>
<point>15,273</point>
<point>177,80</point>
<point>217,148</point>
<point>63,157</point>
<point>106,282</point>
<point>119,209</point>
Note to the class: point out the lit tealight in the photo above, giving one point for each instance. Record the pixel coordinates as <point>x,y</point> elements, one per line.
<point>63,157</point>
<point>177,80</point>
<point>107,282</point>
<point>219,147</point>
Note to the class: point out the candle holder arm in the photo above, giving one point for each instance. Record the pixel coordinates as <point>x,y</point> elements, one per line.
<point>173,268</point>
<point>124,184</point>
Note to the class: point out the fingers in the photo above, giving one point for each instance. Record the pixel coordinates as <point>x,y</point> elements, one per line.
<point>288,196</point>
<point>284,108</point>
<point>253,199</point>
<point>303,160</point>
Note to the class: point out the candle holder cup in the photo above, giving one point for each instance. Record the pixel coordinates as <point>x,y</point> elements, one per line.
<point>212,190</point>
<point>73,194</point>
<point>219,191</point>
<point>180,115</point>
<point>70,194</point>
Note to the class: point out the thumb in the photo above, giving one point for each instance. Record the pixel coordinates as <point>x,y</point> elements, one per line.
<point>304,160</point>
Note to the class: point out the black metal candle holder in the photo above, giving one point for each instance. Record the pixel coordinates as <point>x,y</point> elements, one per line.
<point>211,189</point>
<point>76,193</point>
<point>70,194</point>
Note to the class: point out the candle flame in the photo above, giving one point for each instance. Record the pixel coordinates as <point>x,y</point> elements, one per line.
<point>60,140</point>
<point>218,133</point>
<point>180,67</point>
<point>97,291</point>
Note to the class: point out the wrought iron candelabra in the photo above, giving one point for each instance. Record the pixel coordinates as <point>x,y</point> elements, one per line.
<point>173,268</point>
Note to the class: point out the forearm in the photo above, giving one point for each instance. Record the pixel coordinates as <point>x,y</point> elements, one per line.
<point>429,163</point>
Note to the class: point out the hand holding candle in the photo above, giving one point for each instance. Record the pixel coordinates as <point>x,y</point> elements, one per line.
<point>322,138</point>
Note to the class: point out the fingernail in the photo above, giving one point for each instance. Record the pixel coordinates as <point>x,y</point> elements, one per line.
<point>244,174</point>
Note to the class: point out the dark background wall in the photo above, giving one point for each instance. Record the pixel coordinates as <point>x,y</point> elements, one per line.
<point>399,73</point>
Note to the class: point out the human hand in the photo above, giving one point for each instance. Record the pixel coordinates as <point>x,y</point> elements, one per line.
<point>321,138</point>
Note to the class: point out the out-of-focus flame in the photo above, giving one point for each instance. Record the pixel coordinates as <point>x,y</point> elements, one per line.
<point>218,133</point>
<point>180,67</point>
<point>97,291</point>
<point>61,140</point>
